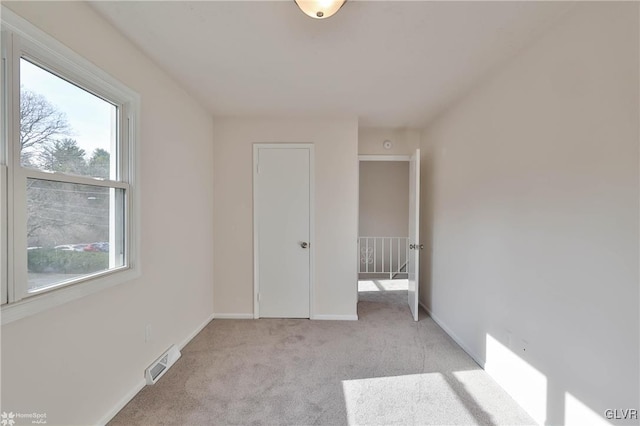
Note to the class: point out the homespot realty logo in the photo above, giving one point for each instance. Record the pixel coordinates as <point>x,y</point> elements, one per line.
<point>11,418</point>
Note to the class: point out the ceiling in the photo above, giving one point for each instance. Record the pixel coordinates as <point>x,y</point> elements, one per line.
<point>390,63</point>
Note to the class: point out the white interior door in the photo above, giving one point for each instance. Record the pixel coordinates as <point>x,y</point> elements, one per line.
<point>413,267</point>
<point>282,230</point>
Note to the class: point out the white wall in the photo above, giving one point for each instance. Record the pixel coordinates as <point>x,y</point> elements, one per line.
<point>336,229</point>
<point>384,198</point>
<point>530,217</point>
<point>77,361</point>
<point>404,141</point>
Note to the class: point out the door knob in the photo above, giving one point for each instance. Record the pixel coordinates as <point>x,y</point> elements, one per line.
<point>304,245</point>
<point>421,246</point>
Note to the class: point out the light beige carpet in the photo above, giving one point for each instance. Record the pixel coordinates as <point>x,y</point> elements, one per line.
<point>381,370</point>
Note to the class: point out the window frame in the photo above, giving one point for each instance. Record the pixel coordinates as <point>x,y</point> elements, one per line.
<point>20,39</point>
<point>4,119</point>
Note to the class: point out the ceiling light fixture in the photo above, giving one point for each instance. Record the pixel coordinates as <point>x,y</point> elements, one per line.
<point>320,9</point>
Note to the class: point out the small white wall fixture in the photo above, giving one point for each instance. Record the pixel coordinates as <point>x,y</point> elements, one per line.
<point>159,367</point>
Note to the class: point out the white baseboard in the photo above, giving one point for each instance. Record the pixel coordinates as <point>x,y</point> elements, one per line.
<point>233,316</point>
<point>195,332</point>
<point>124,401</point>
<point>313,317</point>
<point>142,383</point>
<point>335,317</point>
<point>478,359</point>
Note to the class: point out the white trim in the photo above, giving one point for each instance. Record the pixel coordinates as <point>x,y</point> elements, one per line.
<point>5,123</point>
<point>12,97</point>
<point>322,317</point>
<point>312,241</point>
<point>42,302</point>
<point>195,332</point>
<point>256,272</point>
<point>54,56</point>
<point>3,235</point>
<point>413,270</point>
<point>405,158</point>
<point>384,158</point>
<point>124,401</point>
<point>133,200</point>
<point>233,316</point>
<point>312,228</point>
<point>478,359</point>
<point>64,57</point>
<point>82,180</point>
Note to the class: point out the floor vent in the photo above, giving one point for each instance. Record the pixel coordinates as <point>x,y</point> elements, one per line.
<point>161,365</point>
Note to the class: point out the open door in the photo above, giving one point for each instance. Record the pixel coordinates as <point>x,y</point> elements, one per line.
<point>413,266</point>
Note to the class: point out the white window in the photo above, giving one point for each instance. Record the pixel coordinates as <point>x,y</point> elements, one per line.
<point>67,188</point>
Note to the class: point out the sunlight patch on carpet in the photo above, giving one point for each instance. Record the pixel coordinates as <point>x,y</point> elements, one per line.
<point>383,285</point>
<point>411,399</point>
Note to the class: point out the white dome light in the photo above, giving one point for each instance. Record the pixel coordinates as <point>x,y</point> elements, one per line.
<point>320,9</point>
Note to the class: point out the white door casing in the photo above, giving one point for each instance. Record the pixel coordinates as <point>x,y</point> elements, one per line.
<point>413,267</point>
<point>282,230</point>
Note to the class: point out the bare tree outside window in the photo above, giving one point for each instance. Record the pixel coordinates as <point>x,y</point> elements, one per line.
<point>67,223</point>
<point>67,174</point>
<point>40,124</point>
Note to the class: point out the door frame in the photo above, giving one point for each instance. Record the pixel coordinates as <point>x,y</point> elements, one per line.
<point>384,158</point>
<point>374,157</point>
<point>364,158</point>
<point>312,239</point>
<point>414,180</point>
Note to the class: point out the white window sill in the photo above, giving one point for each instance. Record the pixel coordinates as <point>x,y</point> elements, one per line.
<point>41,302</point>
